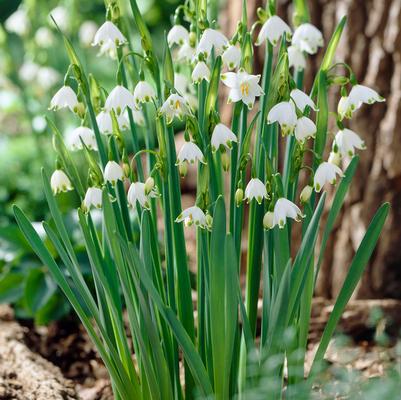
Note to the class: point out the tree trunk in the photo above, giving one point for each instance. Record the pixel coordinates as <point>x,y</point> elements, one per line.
<point>371,44</point>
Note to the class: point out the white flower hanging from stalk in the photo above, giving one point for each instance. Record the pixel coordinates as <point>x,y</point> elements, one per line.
<point>113,172</point>
<point>201,72</point>
<point>283,209</point>
<point>65,97</point>
<point>119,99</point>
<point>143,93</point>
<point>347,141</point>
<point>222,136</point>
<point>304,129</point>
<point>326,172</point>
<point>273,30</point>
<point>185,88</point>
<point>137,193</point>
<point>109,49</point>
<point>284,113</point>
<point>307,38</point>
<point>59,182</point>
<point>302,100</point>
<point>296,58</point>
<point>359,95</point>
<point>210,39</point>
<point>85,135</point>
<point>93,198</point>
<point>178,35</point>
<point>87,32</point>
<point>175,106</point>
<point>255,189</point>
<point>334,158</point>
<point>243,87</point>
<point>232,57</point>
<point>138,117</point>
<point>18,22</point>
<point>107,33</point>
<point>190,153</point>
<point>105,124</point>
<point>193,216</point>
<point>186,52</point>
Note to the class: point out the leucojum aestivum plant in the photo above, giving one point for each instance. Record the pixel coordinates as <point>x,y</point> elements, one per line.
<point>278,137</point>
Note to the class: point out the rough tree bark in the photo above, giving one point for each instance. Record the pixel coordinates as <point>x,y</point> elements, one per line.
<point>371,44</point>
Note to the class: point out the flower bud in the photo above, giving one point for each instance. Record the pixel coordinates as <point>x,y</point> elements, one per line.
<point>306,194</point>
<point>268,220</point>
<point>79,109</point>
<point>209,221</point>
<point>225,161</point>
<point>149,185</point>
<point>239,196</point>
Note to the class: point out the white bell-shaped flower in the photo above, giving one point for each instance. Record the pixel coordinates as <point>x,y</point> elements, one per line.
<point>186,52</point>
<point>326,172</point>
<point>273,30</point>
<point>109,49</point>
<point>284,113</point>
<point>307,38</point>
<point>177,35</point>
<point>296,58</point>
<point>302,100</point>
<point>87,32</point>
<point>138,117</point>
<point>255,189</point>
<point>137,193</point>
<point>305,129</point>
<point>222,136</point>
<point>143,93</point>
<point>85,135</point>
<point>119,99</point>
<point>105,124</point>
<point>175,106</point>
<point>113,172</point>
<point>211,38</point>
<point>201,72</point>
<point>284,209</point>
<point>108,32</point>
<point>93,198</point>
<point>362,94</point>
<point>65,97</point>
<point>59,182</point>
<point>344,109</point>
<point>243,87</point>
<point>193,216</point>
<point>347,141</point>
<point>18,22</point>
<point>190,153</point>
<point>232,57</point>
<point>334,158</point>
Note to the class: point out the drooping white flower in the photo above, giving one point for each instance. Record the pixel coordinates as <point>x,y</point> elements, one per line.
<point>93,198</point>
<point>177,35</point>
<point>174,106</point>
<point>326,172</point>
<point>113,172</point>
<point>201,72</point>
<point>182,83</point>
<point>105,124</point>
<point>307,38</point>
<point>109,49</point>
<point>119,99</point>
<point>143,93</point>
<point>193,216</point>
<point>211,38</point>
<point>62,17</point>
<point>18,22</point>
<point>334,158</point>
<point>347,141</point>
<point>302,100</point>
<point>304,129</point>
<point>137,193</point>
<point>190,153</point>
<point>222,136</point>
<point>87,32</point>
<point>284,113</point>
<point>85,135</point>
<point>243,87</point>
<point>231,57</point>
<point>344,110</point>
<point>108,32</point>
<point>138,117</point>
<point>59,182</point>
<point>284,209</point>
<point>255,189</point>
<point>44,37</point>
<point>296,58</point>
<point>273,30</point>
<point>65,97</point>
<point>186,52</point>
<point>47,77</point>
